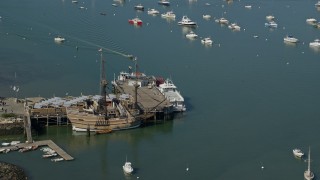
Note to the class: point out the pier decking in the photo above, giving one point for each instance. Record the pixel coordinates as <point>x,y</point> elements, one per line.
<point>49,143</point>
<point>150,99</point>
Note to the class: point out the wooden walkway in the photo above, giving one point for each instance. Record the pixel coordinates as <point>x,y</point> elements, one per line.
<point>49,143</point>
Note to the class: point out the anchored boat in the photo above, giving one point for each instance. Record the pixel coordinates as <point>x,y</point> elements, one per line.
<point>169,90</point>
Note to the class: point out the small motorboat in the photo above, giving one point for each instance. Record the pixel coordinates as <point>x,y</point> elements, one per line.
<point>5,144</point>
<point>271,24</point>
<point>164,2</point>
<point>222,21</point>
<point>153,12</point>
<point>311,20</point>
<point>49,155</point>
<point>139,7</point>
<point>234,26</point>
<point>59,39</point>
<point>290,39</point>
<point>297,152</point>
<point>57,159</point>
<point>270,18</point>
<point>136,21</point>
<point>191,35</point>
<point>206,16</point>
<point>248,6</point>
<point>317,4</point>
<point>206,41</point>
<point>25,149</point>
<point>74,1</point>
<point>168,14</point>
<point>127,168</point>
<point>315,43</point>
<point>186,21</point>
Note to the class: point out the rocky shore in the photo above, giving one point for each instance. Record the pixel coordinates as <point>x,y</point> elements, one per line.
<point>11,172</point>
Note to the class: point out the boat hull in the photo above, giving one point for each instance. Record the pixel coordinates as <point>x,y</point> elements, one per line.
<point>81,122</point>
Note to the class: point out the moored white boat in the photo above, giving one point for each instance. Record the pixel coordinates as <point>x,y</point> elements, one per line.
<point>271,24</point>
<point>59,39</point>
<point>206,16</point>
<point>270,18</point>
<point>186,21</point>
<point>222,21</point>
<point>57,159</point>
<point>248,6</point>
<point>169,90</point>
<point>191,35</point>
<point>153,12</point>
<point>5,144</point>
<point>311,20</point>
<point>297,152</point>
<point>14,143</point>
<point>168,14</point>
<point>206,41</point>
<point>139,7</point>
<point>127,167</point>
<point>317,4</point>
<point>290,39</point>
<point>49,155</point>
<point>315,43</point>
<point>164,2</point>
<point>234,26</point>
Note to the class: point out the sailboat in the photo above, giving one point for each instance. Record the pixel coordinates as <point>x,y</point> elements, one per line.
<point>308,174</point>
<point>127,168</point>
<point>101,113</point>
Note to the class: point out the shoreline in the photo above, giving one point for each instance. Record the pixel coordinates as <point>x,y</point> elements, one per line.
<point>10,171</point>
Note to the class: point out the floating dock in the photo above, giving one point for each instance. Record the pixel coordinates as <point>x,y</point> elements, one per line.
<point>48,143</point>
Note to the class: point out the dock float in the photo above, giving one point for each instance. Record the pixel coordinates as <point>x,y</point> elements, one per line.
<point>49,143</point>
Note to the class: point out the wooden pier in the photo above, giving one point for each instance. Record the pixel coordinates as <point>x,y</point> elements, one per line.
<point>149,99</point>
<point>49,143</point>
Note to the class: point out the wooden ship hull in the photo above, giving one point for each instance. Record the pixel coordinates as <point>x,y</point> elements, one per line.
<point>83,121</point>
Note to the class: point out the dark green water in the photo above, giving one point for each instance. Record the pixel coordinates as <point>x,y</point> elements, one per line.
<point>250,100</point>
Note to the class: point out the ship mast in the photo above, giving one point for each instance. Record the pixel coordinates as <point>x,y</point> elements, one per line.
<point>102,109</point>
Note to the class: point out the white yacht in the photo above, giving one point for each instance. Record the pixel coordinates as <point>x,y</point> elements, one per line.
<point>206,16</point>
<point>317,4</point>
<point>139,7</point>
<point>270,18</point>
<point>153,12</point>
<point>271,24</point>
<point>222,21</point>
<point>206,41</point>
<point>315,43</point>
<point>311,20</point>
<point>297,152</point>
<point>191,35</point>
<point>168,14</point>
<point>169,90</point>
<point>308,174</point>
<point>59,39</point>
<point>234,26</point>
<point>127,168</point>
<point>164,2</point>
<point>291,39</point>
<point>186,21</point>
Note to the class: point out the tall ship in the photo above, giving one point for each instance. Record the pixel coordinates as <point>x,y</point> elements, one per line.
<point>169,90</point>
<point>102,112</point>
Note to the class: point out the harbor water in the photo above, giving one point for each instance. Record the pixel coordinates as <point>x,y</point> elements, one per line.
<point>249,100</point>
